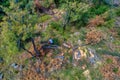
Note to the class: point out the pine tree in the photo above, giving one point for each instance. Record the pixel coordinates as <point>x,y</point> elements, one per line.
<point>18,25</point>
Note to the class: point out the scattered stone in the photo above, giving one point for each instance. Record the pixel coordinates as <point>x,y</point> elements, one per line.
<point>79,42</point>
<point>50,41</point>
<point>77,33</point>
<point>87,74</point>
<point>83,52</point>
<point>84,67</point>
<point>77,55</point>
<point>66,45</point>
<point>14,65</point>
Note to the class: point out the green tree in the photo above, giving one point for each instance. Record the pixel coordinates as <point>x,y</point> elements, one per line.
<point>17,25</point>
<point>75,13</point>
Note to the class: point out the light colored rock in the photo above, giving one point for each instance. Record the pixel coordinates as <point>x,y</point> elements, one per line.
<point>83,52</point>
<point>77,33</point>
<point>79,42</point>
<point>66,45</point>
<point>80,53</point>
<point>87,74</point>
<point>77,55</point>
<point>14,65</point>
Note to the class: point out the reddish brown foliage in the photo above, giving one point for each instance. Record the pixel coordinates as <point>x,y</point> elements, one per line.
<point>94,37</point>
<point>108,68</point>
<point>98,20</point>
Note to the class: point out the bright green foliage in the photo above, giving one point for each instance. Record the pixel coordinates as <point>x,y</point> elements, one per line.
<point>78,13</point>
<point>75,13</point>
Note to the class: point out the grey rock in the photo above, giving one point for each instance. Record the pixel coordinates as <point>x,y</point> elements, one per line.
<point>14,65</point>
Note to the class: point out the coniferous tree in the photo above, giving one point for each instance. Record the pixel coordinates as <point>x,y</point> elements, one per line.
<point>17,25</point>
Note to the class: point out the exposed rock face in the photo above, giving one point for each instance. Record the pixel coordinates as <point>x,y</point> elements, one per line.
<point>113,2</point>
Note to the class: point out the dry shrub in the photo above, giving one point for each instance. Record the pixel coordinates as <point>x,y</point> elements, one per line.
<point>98,20</point>
<point>94,37</point>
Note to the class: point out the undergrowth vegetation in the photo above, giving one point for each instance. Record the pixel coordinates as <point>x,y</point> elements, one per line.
<point>92,24</point>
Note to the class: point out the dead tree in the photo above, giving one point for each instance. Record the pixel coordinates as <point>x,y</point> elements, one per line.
<point>35,49</point>
<point>21,45</point>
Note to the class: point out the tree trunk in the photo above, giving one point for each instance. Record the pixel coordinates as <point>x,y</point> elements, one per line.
<point>35,49</point>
